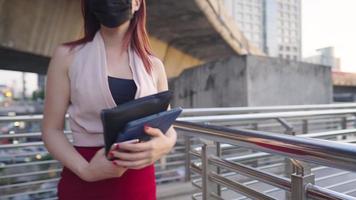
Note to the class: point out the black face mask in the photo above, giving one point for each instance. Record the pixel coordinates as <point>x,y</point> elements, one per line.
<point>111,13</point>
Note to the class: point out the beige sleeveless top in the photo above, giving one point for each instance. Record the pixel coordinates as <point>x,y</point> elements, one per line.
<point>90,92</point>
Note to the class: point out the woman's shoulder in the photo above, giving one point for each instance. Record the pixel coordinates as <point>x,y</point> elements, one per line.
<point>158,70</point>
<point>157,65</point>
<point>63,56</point>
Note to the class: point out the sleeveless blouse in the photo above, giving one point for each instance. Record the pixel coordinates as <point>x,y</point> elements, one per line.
<point>90,92</point>
<point>132,185</point>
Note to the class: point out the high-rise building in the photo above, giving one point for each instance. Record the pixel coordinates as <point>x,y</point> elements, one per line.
<point>272,25</point>
<point>326,56</point>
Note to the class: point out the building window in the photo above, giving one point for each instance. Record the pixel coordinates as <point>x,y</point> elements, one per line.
<point>255,36</point>
<point>280,47</point>
<point>258,9</point>
<point>257,18</point>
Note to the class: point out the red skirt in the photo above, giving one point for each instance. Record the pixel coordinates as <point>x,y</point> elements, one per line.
<point>132,185</point>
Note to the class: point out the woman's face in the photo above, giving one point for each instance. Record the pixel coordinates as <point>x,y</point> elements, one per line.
<point>113,13</point>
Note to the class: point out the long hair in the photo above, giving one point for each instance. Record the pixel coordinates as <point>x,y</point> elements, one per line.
<point>136,35</point>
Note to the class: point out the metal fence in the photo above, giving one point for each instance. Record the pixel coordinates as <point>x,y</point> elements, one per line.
<point>28,171</point>
<point>301,182</point>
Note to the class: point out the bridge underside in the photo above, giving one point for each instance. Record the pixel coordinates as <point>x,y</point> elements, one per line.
<point>11,59</point>
<point>183,33</point>
<point>193,26</point>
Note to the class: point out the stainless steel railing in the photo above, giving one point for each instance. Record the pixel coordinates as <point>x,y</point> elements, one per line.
<point>300,185</point>
<point>262,109</point>
<point>179,157</point>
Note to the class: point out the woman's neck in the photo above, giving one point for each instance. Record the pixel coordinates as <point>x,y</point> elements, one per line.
<point>113,37</point>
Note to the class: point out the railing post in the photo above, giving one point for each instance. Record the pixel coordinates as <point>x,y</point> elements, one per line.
<point>255,126</point>
<point>208,187</point>
<point>163,162</point>
<point>187,143</point>
<point>344,122</point>
<point>218,170</point>
<point>305,126</point>
<point>299,180</point>
<point>289,128</point>
<point>289,131</point>
<point>288,166</point>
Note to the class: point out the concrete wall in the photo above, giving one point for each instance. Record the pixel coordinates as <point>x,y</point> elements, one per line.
<point>252,81</point>
<point>273,81</point>
<point>220,83</point>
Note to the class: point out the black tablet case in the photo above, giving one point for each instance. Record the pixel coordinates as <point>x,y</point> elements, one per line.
<point>114,119</point>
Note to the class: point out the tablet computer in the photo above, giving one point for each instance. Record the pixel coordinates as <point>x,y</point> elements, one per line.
<point>135,129</point>
<point>114,119</point>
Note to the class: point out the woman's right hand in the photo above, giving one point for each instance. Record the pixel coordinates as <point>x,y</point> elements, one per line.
<point>100,168</point>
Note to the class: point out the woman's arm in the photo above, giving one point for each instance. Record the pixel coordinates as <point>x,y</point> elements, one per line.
<point>162,85</point>
<point>56,104</point>
<point>55,107</point>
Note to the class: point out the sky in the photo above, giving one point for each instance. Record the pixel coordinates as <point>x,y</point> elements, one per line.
<point>330,23</point>
<point>324,23</point>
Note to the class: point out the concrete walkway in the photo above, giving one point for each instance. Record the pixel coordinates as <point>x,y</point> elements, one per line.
<point>176,191</point>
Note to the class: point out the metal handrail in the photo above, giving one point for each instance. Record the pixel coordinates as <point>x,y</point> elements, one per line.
<point>316,151</point>
<point>319,193</point>
<point>312,150</point>
<point>272,179</point>
<point>342,107</point>
<point>239,110</point>
<point>241,117</point>
<point>261,116</point>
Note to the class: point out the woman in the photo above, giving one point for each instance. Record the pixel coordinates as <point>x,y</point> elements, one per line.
<point>110,65</point>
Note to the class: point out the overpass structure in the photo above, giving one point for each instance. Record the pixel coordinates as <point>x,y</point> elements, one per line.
<point>346,79</point>
<point>344,86</point>
<point>183,33</point>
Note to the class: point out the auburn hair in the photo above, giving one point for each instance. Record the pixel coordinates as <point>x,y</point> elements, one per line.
<point>136,35</point>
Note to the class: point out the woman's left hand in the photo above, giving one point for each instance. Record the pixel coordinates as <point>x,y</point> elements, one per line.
<point>142,154</point>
